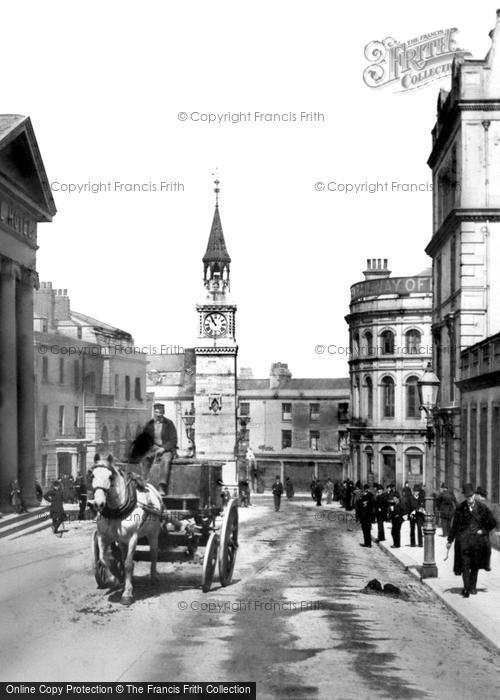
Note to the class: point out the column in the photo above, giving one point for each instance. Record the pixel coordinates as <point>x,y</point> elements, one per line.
<point>26,385</point>
<point>8,380</point>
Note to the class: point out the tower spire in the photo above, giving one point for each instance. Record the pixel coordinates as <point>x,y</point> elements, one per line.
<point>216,261</point>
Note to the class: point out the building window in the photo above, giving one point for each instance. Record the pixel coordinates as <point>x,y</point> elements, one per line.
<point>483,446</point>
<point>369,397</point>
<point>76,374</point>
<point>286,411</point>
<point>414,463</point>
<point>76,416</point>
<point>61,370</point>
<point>244,408</point>
<point>45,421</point>
<point>314,440</point>
<point>90,382</point>
<point>453,264</point>
<point>343,413</point>
<point>412,401</point>
<point>495,454</point>
<point>286,439</point>
<point>137,389</point>
<point>413,340</point>
<point>45,369</point>
<point>387,338</point>
<point>437,281</point>
<point>355,340</point>
<point>117,386</point>
<point>314,411</point>
<point>127,388</point>
<point>473,445</point>
<point>388,397</point>
<point>44,470</point>
<point>79,332</point>
<point>60,425</point>
<point>369,343</point>
<point>105,438</point>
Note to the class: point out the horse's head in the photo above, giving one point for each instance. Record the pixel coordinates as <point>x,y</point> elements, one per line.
<point>104,474</point>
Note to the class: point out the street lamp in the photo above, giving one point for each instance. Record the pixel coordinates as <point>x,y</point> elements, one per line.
<point>428,391</point>
<point>188,419</point>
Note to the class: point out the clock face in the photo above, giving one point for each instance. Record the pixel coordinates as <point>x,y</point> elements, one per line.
<point>215,324</point>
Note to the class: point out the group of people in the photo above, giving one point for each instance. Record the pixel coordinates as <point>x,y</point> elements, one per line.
<point>467,524</point>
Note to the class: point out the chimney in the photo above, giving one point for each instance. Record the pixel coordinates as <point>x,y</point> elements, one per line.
<point>61,305</point>
<point>376,267</point>
<point>280,375</point>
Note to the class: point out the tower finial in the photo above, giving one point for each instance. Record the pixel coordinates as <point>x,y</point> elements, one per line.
<point>216,188</point>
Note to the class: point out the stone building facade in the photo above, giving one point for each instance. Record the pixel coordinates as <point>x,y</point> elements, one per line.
<point>390,345</point>
<point>91,387</point>
<point>465,244</point>
<point>25,201</point>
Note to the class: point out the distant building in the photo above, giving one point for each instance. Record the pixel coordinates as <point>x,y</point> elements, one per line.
<point>91,387</point>
<point>25,201</point>
<point>390,341</point>
<point>295,427</point>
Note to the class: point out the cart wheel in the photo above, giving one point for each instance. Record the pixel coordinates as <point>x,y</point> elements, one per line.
<point>228,542</point>
<point>209,562</point>
<point>97,566</point>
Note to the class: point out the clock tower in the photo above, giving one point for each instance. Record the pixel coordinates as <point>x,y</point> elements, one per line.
<point>216,352</point>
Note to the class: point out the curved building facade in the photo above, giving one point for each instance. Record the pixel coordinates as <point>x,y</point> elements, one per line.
<point>390,346</point>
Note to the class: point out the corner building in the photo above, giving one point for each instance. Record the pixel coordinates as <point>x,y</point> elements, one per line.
<point>390,345</point>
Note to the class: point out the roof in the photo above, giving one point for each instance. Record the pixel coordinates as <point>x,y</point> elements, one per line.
<point>85,320</point>
<point>21,165</point>
<point>216,248</point>
<point>299,384</point>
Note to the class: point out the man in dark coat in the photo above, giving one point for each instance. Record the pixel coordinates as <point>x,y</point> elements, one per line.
<point>364,513</point>
<point>318,492</point>
<point>164,435</point>
<point>81,492</point>
<point>55,496</point>
<point>416,505</point>
<point>446,504</point>
<point>406,497</point>
<point>277,491</point>
<point>380,512</point>
<point>289,490</point>
<point>396,515</point>
<point>470,530</point>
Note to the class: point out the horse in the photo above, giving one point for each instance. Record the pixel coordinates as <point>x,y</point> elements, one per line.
<point>126,513</point>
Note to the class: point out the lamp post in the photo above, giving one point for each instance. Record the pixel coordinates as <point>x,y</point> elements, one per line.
<point>428,390</point>
<point>188,419</point>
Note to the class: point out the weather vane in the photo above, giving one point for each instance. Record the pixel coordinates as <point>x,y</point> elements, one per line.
<point>216,188</point>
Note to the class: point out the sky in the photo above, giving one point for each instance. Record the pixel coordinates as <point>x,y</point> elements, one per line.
<point>108,87</point>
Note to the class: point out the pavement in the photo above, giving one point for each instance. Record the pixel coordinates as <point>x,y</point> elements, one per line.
<point>480,612</point>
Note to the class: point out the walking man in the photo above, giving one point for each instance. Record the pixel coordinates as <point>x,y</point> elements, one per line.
<point>277,491</point>
<point>81,492</point>
<point>396,514</point>
<point>364,513</point>
<point>470,530</point>
<point>417,515</point>
<point>446,504</point>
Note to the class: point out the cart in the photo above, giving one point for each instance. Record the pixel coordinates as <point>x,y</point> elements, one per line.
<point>194,518</point>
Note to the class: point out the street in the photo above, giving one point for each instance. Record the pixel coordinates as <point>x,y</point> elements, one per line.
<point>296,619</point>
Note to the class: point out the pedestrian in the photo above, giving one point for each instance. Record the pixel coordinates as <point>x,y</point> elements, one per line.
<point>38,491</point>
<point>81,493</point>
<point>313,489</point>
<point>416,515</point>
<point>446,504</point>
<point>225,496</point>
<point>364,513</point>
<point>329,490</point>
<point>289,490</point>
<point>16,497</point>
<point>336,491</point>
<point>380,506</point>
<point>349,490</point>
<point>470,530</point>
<point>396,514</point>
<point>252,468</point>
<point>318,492</point>
<point>55,496</point>
<point>406,497</point>
<point>277,491</point>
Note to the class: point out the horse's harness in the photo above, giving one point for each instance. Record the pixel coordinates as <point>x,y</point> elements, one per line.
<point>130,495</point>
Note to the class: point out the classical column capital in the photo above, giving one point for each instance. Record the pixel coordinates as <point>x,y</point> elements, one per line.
<point>9,268</point>
<point>29,277</point>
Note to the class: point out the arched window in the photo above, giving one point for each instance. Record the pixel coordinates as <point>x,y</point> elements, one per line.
<point>387,338</point>
<point>356,397</point>
<point>369,397</point>
<point>413,339</point>
<point>388,397</point>
<point>355,344</point>
<point>412,401</point>
<point>369,459</point>
<point>369,342</point>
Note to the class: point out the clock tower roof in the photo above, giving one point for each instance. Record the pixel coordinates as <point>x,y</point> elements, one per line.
<point>216,248</point>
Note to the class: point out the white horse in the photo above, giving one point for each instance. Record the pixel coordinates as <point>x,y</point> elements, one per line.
<point>125,514</point>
